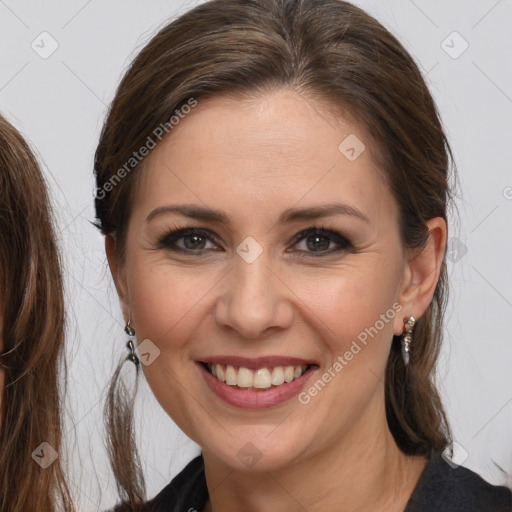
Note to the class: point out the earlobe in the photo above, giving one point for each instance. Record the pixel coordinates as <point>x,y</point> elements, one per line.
<point>422,272</point>
<point>117,272</point>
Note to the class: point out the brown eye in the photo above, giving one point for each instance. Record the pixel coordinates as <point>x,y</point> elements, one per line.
<point>193,240</point>
<point>319,240</point>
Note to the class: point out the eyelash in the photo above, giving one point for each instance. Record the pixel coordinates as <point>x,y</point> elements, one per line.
<point>168,240</point>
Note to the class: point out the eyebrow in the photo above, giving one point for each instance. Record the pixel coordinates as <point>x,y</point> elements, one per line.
<point>290,215</point>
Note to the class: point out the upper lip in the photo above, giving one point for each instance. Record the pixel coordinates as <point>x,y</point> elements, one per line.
<point>256,362</point>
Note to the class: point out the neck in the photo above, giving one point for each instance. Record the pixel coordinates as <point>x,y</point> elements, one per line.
<point>365,471</point>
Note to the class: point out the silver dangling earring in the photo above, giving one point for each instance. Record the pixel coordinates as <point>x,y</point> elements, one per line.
<point>407,338</point>
<point>132,356</point>
<point>128,329</point>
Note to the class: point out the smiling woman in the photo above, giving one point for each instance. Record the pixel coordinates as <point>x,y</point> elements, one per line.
<point>286,240</point>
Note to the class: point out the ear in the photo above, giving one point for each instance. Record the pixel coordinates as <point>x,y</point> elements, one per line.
<point>421,274</point>
<point>118,274</point>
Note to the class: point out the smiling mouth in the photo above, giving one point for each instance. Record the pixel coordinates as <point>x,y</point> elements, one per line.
<point>260,379</point>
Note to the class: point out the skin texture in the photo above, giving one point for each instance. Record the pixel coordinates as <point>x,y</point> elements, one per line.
<point>254,159</point>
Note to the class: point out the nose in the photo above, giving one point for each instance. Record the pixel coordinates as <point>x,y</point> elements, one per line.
<point>254,299</point>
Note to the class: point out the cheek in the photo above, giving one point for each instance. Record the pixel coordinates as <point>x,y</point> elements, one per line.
<point>168,303</point>
<point>351,300</point>
<point>163,302</point>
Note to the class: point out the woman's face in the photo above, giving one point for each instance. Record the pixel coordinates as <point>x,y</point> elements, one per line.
<point>255,296</point>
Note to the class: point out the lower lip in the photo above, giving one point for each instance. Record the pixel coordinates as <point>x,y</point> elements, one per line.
<point>255,399</point>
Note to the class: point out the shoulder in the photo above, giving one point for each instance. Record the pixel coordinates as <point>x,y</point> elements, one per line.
<point>187,491</point>
<point>443,487</point>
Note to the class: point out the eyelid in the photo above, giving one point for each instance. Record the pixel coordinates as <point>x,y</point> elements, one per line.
<point>344,243</point>
<point>179,232</point>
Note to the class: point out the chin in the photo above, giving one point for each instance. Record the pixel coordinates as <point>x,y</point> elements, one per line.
<point>256,453</point>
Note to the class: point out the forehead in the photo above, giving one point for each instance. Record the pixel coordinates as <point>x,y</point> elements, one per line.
<point>267,152</point>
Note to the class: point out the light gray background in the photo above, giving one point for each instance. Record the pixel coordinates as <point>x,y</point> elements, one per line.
<point>60,102</point>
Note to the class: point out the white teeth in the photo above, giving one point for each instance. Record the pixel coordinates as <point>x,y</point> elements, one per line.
<point>262,378</point>
<point>288,373</point>
<point>244,378</point>
<point>278,376</point>
<point>230,375</point>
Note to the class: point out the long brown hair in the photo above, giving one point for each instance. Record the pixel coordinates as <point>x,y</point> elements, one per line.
<point>31,298</point>
<point>328,50</point>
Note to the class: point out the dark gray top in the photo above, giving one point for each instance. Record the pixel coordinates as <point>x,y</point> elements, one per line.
<point>440,488</point>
